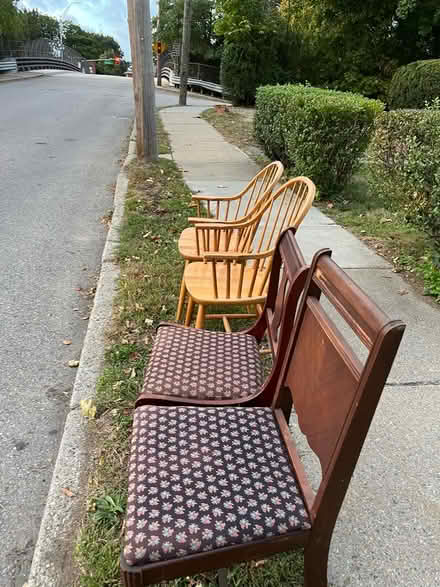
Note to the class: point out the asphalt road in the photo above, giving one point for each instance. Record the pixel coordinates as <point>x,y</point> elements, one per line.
<point>61,140</point>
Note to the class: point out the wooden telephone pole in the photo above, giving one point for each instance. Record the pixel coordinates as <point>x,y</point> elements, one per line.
<point>159,53</point>
<point>186,44</point>
<point>139,22</point>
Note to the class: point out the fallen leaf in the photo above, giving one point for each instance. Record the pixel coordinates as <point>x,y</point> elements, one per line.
<point>260,563</point>
<point>403,292</point>
<point>67,342</point>
<point>148,322</point>
<point>384,220</point>
<point>67,492</point>
<point>73,364</point>
<point>84,317</point>
<point>88,408</point>
<point>133,373</point>
<point>330,205</point>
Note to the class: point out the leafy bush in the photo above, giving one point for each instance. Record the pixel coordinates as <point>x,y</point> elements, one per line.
<point>315,132</point>
<point>414,84</point>
<point>244,67</point>
<point>404,164</point>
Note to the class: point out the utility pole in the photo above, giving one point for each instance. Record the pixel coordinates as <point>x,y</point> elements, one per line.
<point>139,22</point>
<point>186,44</point>
<point>159,53</point>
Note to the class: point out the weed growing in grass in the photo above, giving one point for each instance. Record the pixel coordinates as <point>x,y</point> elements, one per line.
<point>109,509</point>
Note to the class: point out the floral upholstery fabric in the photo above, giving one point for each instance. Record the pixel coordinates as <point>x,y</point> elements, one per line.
<point>205,478</point>
<point>195,363</point>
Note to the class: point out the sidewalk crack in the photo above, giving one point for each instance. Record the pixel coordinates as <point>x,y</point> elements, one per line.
<point>433,383</point>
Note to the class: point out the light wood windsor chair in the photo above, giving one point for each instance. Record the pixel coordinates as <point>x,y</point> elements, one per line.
<point>229,210</point>
<point>210,487</point>
<point>240,276</point>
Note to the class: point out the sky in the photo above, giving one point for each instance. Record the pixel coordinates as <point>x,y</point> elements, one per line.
<point>108,17</point>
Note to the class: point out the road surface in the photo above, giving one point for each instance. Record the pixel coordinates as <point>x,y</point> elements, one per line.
<point>61,141</point>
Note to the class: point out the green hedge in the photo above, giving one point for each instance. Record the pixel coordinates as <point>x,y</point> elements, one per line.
<point>414,84</point>
<point>314,132</point>
<point>404,164</point>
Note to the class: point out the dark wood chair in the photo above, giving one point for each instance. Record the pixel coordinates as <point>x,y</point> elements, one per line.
<point>202,367</point>
<point>214,486</point>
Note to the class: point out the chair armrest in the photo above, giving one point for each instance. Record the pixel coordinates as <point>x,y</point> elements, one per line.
<point>238,257</point>
<point>201,220</point>
<point>201,198</point>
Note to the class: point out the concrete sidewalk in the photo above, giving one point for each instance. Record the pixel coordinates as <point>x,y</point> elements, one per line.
<point>389,527</point>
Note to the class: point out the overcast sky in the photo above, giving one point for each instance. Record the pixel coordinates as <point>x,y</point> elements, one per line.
<point>108,17</point>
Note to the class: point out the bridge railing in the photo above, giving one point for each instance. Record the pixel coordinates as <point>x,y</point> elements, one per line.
<point>201,76</point>
<point>42,54</point>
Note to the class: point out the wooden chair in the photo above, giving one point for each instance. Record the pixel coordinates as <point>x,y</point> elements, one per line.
<point>240,276</point>
<point>201,367</point>
<point>228,210</point>
<point>213,486</point>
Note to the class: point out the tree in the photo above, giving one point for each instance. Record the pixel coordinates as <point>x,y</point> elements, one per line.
<point>10,23</point>
<point>259,46</point>
<point>357,46</point>
<point>39,26</point>
<point>90,45</point>
<point>205,45</point>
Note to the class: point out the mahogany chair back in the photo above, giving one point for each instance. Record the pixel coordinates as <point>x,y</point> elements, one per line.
<point>333,394</point>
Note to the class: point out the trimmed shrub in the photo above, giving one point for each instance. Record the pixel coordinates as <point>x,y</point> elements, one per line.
<point>404,164</point>
<point>314,132</point>
<point>414,84</point>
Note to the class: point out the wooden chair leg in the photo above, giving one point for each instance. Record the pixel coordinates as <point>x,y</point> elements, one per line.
<point>222,578</point>
<point>315,566</point>
<point>182,296</point>
<point>189,311</point>
<point>200,322</point>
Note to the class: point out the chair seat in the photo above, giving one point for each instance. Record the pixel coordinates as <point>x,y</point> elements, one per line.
<point>199,284</point>
<point>201,479</point>
<point>202,364</point>
<point>188,244</point>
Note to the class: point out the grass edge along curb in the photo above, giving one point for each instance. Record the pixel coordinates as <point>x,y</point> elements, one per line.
<point>156,212</point>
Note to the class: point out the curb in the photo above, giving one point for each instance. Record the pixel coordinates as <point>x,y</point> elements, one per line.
<point>20,79</point>
<point>53,550</point>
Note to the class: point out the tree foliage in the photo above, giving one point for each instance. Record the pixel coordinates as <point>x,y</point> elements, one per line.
<point>259,46</point>
<point>357,46</point>
<point>90,45</point>
<point>29,25</point>
<point>205,44</point>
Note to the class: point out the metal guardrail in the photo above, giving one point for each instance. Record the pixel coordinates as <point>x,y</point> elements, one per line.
<point>174,80</point>
<point>9,64</point>
<point>42,54</point>
<point>32,63</point>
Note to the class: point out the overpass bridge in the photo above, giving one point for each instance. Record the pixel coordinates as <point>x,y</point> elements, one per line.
<point>39,54</point>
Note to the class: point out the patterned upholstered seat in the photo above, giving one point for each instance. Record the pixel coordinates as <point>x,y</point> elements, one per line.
<point>201,364</point>
<point>206,478</point>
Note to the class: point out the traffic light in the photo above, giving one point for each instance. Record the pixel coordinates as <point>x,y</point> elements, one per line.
<point>117,60</point>
<point>159,47</point>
